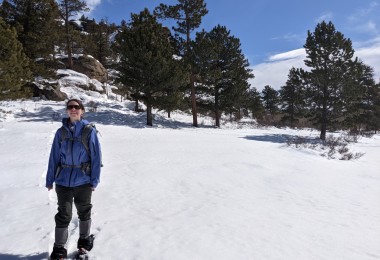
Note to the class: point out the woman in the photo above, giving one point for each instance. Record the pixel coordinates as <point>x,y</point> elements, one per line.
<point>76,173</point>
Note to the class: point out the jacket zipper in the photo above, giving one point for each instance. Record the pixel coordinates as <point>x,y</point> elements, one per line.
<point>72,155</point>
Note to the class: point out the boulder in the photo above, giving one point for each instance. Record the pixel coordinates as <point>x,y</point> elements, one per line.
<point>47,90</point>
<point>91,67</point>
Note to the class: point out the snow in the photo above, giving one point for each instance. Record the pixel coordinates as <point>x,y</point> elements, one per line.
<point>176,192</point>
<point>73,78</point>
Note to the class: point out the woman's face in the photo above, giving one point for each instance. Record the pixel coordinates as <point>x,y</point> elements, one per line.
<point>74,111</point>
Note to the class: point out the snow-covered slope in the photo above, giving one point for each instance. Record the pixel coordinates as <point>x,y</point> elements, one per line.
<point>176,192</point>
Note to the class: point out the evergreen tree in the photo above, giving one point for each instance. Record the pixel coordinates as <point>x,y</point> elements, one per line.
<point>88,39</point>
<point>270,99</point>
<point>329,55</point>
<point>292,96</point>
<point>172,98</point>
<point>361,96</point>
<point>147,65</point>
<point>68,9</point>
<point>374,117</point>
<point>36,25</point>
<point>14,70</point>
<point>102,35</point>
<point>97,39</point>
<point>188,14</point>
<point>224,71</point>
<point>253,103</point>
<point>357,100</point>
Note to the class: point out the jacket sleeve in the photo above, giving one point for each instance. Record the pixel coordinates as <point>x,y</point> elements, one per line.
<point>54,160</point>
<point>96,158</point>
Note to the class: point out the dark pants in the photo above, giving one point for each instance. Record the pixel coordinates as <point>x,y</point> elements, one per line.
<point>81,196</point>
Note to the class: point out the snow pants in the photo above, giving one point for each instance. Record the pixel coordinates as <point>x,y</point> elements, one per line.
<point>81,195</point>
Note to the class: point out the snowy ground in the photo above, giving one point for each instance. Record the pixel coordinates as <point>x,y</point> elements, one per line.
<point>175,192</point>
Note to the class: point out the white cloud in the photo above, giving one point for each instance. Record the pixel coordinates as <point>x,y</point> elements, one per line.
<point>370,55</point>
<point>290,37</point>
<point>328,16</point>
<point>363,12</point>
<point>369,27</point>
<point>365,20</point>
<point>274,72</point>
<point>288,55</point>
<point>92,4</point>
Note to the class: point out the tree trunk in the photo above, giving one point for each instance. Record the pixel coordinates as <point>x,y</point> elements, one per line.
<point>68,41</point>
<point>217,112</point>
<point>168,114</point>
<point>291,116</point>
<point>149,117</point>
<point>136,105</point>
<point>217,118</point>
<point>193,102</point>
<point>324,115</point>
<point>192,85</point>
<point>323,132</point>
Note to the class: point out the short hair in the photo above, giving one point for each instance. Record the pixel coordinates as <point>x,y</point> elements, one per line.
<point>78,101</point>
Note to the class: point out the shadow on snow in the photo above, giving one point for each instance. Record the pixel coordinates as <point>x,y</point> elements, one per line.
<point>109,116</point>
<point>27,257</point>
<point>280,138</point>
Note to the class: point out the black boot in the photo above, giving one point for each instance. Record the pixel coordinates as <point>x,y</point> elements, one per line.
<point>86,243</point>
<point>59,252</point>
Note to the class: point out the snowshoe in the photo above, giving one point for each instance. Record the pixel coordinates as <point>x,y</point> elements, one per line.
<point>86,243</point>
<point>82,254</point>
<point>59,253</point>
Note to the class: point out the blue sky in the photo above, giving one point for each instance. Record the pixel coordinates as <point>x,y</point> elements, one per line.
<point>267,27</point>
<point>273,32</point>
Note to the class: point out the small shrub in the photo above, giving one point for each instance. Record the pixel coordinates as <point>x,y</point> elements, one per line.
<point>93,106</point>
<point>330,148</point>
<point>368,134</point>
<point>343,149</point>
<point>350,156</point>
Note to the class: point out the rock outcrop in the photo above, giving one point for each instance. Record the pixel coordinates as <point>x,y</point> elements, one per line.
<point>91,67</point>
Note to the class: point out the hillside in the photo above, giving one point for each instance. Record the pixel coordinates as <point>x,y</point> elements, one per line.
<point>177,192</point>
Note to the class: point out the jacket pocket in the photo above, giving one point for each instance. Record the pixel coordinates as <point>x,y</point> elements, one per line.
<point>86,168</point>
<point>57,172</point>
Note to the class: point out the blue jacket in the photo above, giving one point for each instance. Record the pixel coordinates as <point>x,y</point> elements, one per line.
<point>71,151</point>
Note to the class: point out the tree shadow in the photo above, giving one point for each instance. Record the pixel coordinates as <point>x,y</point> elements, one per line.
<point>270,138</point>
<point>111,115</point>
<point>24,257</point>
<point>281,138</point>
<point>43,114</point>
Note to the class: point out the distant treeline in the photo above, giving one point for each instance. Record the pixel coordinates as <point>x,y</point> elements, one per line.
<point>169,70</point>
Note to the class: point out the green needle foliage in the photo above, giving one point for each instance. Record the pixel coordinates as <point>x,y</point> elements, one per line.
<point>14,69</point>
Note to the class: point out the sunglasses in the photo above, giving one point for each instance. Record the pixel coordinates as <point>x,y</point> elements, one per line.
<point>76,107</point>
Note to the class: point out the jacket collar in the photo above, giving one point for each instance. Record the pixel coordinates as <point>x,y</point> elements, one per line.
<point>77,125</point>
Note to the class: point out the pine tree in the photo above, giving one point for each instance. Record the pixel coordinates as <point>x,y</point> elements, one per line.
<point>188,14</point>
<point>68,9</point>
<point>270,99</point>
<point>361,96</point>
<point>37,27</point>
<point>14,70</point>
<point>292,96</point>
<point>329,55</point>
<point>224,71</point>
<point>356,96</point>
<point>101,38</point>
<point>147,65</point>
<point>88,39</point>
<point>253,103</point>
<point>374,119</point>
